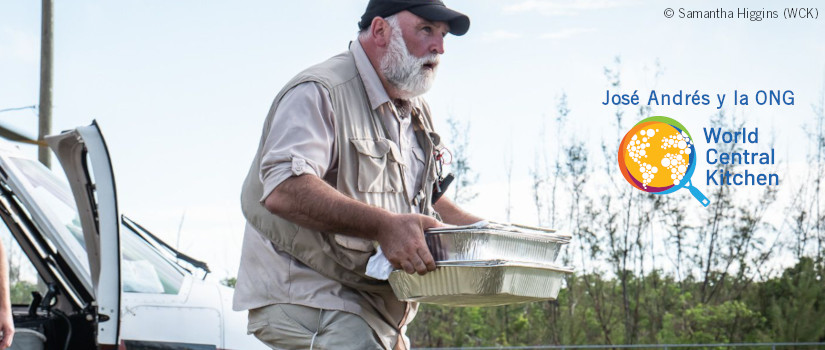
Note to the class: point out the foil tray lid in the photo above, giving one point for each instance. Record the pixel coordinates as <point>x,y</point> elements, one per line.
<point>512,230</point>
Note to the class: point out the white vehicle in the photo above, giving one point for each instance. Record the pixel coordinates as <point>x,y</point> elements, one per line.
<point>106,283</point>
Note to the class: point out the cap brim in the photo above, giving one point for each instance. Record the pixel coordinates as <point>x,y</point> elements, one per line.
<point>459,22</point>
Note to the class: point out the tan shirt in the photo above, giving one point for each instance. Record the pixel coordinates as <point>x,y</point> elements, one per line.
<point>302,137</point>
<point>301,141</point>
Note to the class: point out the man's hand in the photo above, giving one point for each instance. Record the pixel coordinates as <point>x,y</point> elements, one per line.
<point>7,327</point>
<point>402,240</point>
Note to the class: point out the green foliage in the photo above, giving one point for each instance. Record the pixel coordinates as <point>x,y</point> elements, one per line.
<point>790,307</point>
<point>229,282</point>
<point>21,292</point>
<point>795,303</point>
<point>730,321</point>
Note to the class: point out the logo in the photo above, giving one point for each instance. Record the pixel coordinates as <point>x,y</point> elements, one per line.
<point>657,156</point>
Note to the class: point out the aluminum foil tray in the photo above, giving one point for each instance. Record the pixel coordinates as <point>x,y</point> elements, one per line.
<point>495,242</point>
<point>480,283</point>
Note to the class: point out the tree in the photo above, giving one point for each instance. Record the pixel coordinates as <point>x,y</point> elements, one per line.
<point>460,167</point>
<point>795,303</point>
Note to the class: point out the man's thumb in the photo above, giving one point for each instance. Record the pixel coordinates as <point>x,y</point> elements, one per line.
<point>430,222</point>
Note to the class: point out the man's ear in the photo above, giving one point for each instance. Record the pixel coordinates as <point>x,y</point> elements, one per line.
<point>380,31</point>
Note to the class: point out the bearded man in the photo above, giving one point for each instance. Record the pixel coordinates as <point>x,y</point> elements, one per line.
<point>346,164</point>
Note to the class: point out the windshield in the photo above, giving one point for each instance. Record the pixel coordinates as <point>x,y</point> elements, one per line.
<point>143,268</point>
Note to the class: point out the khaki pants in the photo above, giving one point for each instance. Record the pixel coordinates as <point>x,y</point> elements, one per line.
<point>290,326</point>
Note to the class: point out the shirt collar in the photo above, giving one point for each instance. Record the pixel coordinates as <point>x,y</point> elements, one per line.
<point>372,83</point>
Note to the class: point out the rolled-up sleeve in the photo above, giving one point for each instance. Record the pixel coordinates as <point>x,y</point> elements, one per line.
<point>301,138</point>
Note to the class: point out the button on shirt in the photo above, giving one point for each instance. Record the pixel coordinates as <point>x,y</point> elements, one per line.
<point>302,141</point>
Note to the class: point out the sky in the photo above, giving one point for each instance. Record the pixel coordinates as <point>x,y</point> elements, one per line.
<point>180,89</point>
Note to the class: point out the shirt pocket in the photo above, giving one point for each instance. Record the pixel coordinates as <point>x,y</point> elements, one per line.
<point>354,243</point>
<point>378,165</point>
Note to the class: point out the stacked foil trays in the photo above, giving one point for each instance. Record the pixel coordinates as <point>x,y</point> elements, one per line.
<point>494,264</point>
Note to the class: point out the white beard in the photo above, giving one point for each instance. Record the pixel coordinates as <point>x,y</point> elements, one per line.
<point>404,71</point>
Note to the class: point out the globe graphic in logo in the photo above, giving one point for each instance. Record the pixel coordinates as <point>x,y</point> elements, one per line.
<point>658,156</point>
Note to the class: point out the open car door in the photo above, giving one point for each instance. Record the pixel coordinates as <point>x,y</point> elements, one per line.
<point>84,157</point>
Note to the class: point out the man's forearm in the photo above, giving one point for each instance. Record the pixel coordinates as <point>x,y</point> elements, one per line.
<point>452,214</point>
<point>310,202</point>
<point>5,303</point>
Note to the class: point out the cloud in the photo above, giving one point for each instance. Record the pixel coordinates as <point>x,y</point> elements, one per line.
<point>566,33</point>
<point>500,35</point>
<point>565,7</point>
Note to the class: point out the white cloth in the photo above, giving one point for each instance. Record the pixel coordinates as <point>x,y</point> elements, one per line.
<point>379,267</point>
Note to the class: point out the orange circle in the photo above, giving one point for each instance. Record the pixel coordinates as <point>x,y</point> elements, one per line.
<point>641,155</point>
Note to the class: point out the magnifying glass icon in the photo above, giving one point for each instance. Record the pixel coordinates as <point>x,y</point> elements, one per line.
<point>658,156</point>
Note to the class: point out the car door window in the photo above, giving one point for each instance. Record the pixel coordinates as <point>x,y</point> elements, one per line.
<point>23,279</point>
<point>143,268</point>
<point>55,200</point>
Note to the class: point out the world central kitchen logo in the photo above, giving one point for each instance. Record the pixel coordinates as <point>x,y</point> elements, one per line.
<point>658,156</point>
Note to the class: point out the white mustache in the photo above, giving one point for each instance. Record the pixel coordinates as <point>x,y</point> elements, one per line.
<point>433,59</point>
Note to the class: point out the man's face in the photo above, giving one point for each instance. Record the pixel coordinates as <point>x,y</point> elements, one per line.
<point>413,53</point>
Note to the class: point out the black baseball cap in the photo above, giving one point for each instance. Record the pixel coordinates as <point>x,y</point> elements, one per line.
<point>431,10</point>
